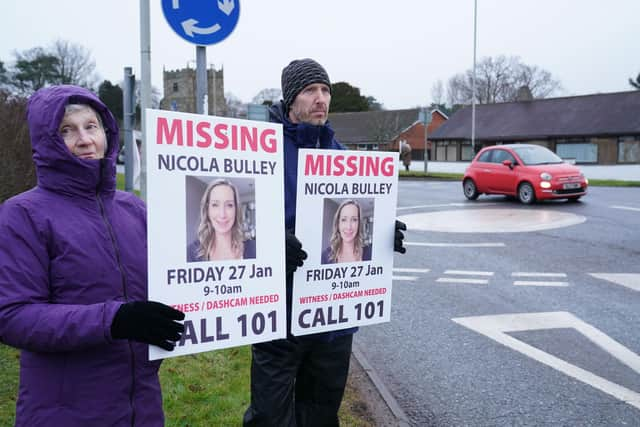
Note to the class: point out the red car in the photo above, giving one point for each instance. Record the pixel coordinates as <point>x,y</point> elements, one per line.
<point>528,172</point>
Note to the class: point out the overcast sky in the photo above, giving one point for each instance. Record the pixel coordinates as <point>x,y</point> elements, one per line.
<point>392,50</point>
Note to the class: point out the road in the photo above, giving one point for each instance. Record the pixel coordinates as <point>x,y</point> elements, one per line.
<point>512,315</point>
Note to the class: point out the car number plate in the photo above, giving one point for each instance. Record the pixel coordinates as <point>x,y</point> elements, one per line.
<point>571,185</point>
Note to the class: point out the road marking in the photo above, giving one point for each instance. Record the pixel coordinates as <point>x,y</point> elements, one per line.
<point>535,283</point>
<point>456,245</point>
<point>442,205</point>
<point>628,208</point>
<point>404,278</point>
<point>496,328</point>
<point>631,281</point>
<point>462,280</point>
<point>411,270</point>
<point>522,274</point>
<point>469,273</point>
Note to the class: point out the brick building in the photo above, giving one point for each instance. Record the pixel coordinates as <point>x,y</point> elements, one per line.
<point>590,129</point>
<point>382,130</point>
<point>414,135</point>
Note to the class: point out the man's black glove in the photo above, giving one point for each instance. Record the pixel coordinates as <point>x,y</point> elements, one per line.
<point>294,252</point>
<point>149,322</point>
<point>399,237</point>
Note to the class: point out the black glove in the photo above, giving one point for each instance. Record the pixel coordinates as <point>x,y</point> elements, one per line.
<point>149,322</point>
<point>294,252</point>
<point>399,237</point>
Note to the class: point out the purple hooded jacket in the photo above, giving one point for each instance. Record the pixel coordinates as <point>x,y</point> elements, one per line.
<point>72,250</point>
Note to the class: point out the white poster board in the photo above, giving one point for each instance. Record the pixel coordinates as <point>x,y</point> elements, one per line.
<point>339,287</point>
<point>234,293</point>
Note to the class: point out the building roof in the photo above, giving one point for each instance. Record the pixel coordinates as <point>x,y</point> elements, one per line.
<point>372,127</point>
<point>607,114</point>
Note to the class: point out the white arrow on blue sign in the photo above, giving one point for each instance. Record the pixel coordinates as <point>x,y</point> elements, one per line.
<point>202,22</point>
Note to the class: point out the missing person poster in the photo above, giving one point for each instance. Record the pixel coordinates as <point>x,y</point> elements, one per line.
<point>215,203</point>
<point>345,219</point>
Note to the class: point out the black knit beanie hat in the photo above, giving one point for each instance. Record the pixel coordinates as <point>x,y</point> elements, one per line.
<point>299,74</point>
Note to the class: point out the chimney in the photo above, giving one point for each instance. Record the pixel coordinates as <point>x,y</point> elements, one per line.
<point>524,94</point>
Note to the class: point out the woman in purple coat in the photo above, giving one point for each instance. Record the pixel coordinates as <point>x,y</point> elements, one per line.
<point>73,277</point>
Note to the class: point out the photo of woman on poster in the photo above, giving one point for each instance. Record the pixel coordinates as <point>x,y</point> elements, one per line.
<point>220,231</point>
<point>346,243</point>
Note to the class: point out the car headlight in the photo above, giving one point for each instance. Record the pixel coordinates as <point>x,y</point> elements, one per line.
<point>545,184</point>
<point>546,176</point>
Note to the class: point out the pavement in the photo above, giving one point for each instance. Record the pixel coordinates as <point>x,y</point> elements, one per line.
<point>615,172</point>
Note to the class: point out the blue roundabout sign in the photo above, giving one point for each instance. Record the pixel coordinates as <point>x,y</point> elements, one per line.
<point>202,22</point>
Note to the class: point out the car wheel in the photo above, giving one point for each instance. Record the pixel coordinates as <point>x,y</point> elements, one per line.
<point>526,194</point>
<point>470,190</point>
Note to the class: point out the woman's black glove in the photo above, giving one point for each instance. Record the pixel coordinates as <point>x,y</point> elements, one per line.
<point>399,237</point>
<point>294,252</point>
<point>149,322</point>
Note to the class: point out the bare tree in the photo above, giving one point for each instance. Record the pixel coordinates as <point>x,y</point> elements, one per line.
<point>235,107</point>
<point>437,92</point>
<point>267,96</point>
<point>498,80</point>
<point>540,82</point>
<point>75,65</point>
<point>383,126</point>
<point>635,83</point>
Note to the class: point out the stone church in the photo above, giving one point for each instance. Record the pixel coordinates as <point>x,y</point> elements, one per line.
<point>180,91</point>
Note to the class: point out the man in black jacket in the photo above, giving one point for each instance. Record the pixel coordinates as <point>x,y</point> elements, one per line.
<point>300,381</point>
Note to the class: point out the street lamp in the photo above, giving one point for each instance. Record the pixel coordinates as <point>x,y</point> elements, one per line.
<point>473,90</point>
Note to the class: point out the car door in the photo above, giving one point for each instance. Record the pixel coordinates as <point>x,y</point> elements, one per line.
<point>482,171</point>
<point>503,178</point>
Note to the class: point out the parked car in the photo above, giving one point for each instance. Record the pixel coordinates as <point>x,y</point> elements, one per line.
<point>528,172</point>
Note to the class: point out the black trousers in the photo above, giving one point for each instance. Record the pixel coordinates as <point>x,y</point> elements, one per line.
<point>298,382</point>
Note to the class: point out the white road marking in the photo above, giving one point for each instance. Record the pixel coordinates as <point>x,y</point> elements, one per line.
<point>462,280</point>
<point>628,208</point>
<point>495,327</point>
<point>535,283</point>
<point>631,281</point>
<point>522,274</point>
<point>442,205</point>
<point>456,245</point>
<point>469,273</point>
<point>411,270</point>
<point>404,278</point>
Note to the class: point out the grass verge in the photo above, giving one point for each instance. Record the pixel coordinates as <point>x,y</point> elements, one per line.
<point>205,389</point>
<point>8,384</point>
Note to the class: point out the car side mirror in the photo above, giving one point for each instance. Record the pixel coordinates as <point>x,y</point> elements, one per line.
<point>508,163</point>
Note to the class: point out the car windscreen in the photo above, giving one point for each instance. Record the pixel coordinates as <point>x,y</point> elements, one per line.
<point>537,155</point>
